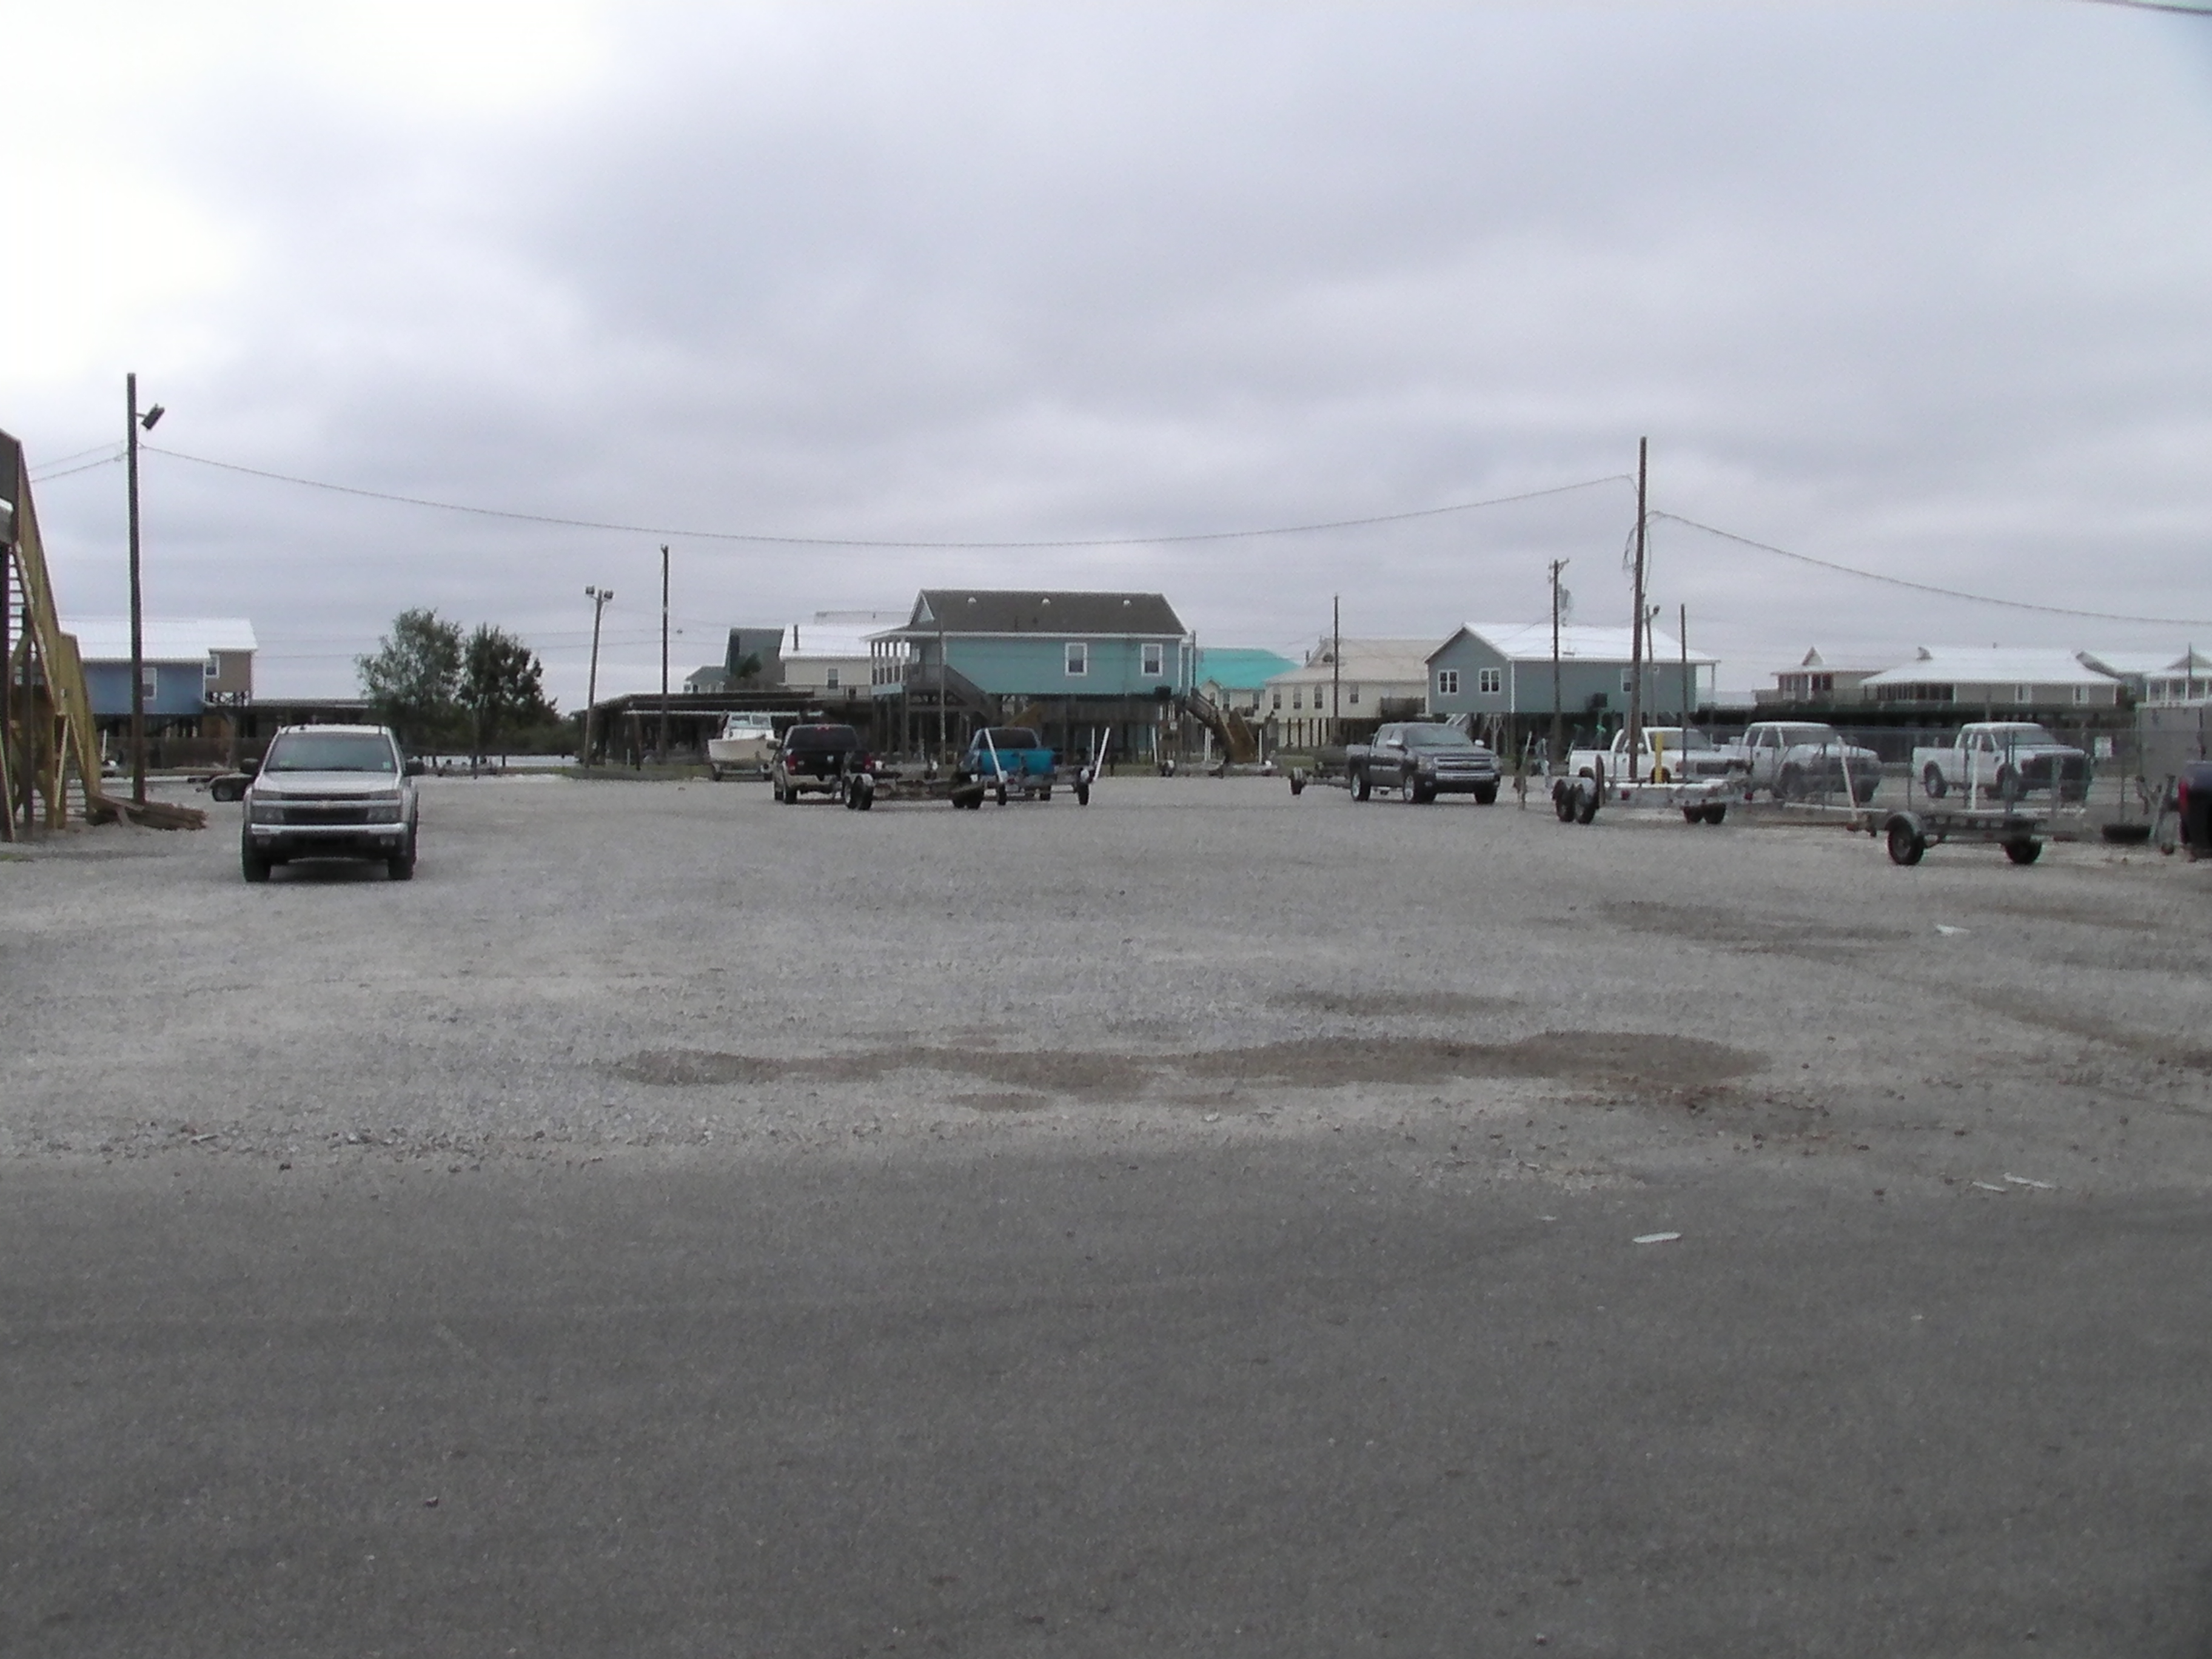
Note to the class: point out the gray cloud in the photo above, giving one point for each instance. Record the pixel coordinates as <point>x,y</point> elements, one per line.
<point>1915,288</point>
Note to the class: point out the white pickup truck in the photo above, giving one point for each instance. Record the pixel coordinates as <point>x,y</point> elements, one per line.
<point>1671,754</point>
<point>2003,759</point>
<point>1803,760</point>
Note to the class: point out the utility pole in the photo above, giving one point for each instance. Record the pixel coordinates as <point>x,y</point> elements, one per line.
<point>1335,665</point>
<point>132,424</point>
<point>663,755</point>
<point>1556,756</point>
<point>599,596</point>
<point>1684,629</point>
<point>8,656</point>
<point>1636,633</point>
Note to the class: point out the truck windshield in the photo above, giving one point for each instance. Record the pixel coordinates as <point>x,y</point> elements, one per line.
<point>2021,733</point>
<point>1794,735</point>
<point>331,751</point>
<point>1437,737</point>
<point>1673,737</point>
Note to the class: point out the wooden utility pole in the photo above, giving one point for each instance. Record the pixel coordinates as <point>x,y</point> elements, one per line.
<point>1636,633</point>
<point>599,596</point>
<point>663,747</point>
<point>1336,667</point>
<point>137,608</point>
<point>1555,756</point>
<point>1684,629</point>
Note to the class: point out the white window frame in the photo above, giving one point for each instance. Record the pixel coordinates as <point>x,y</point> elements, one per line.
<point>1354,696</point>
<point>149,677</point>
<point>1448,682</point>
<point>1489,682</point>
<point>1276,693</point>
<point>829,679</point>
<point>1154,659</point>
<point>1076,658</point>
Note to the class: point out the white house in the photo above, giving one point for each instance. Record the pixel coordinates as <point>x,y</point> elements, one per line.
<point>829,655</point>
<point>1300,704</point>
<point>1992,677</point>
<point>2157,677</point>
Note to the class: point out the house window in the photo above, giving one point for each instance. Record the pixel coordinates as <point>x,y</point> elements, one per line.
<point>1298,696</point>
<point>2081,694</point>
<point>1628,681</point>
<point>149,679</point>
<point>2021,694</point>
<point>1352,695</point>
<point>829,679</point>
<point>1276,695</point>
<point>210,669</point>
<point>1448,682</point>
<point>1078,659</point>
<point>1489,682</point>
<point>1155,661</point>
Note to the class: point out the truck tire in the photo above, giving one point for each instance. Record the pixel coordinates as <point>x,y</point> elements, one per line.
<point>251,864</point>
<point>1408,791</point>
<point>2023,851</point>
<point>1360,789</point>
<point>1931,780</point>
<point>2009,789</point>
<point>713,772</point>
<point>1906,844</point>
<point>1297,784</point>
<point>400,866</point>
<point>1790,785</point>
<point>1486,795</point>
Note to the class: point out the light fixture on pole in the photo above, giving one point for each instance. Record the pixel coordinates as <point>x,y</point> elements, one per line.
<point>599,598</point>
<point>133,425</point>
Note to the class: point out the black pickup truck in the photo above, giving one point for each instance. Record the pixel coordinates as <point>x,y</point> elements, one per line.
<point>816,760</point>
<point>1422,761</point>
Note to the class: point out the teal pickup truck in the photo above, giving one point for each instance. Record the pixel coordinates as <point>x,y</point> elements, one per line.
<point>1012,760</point>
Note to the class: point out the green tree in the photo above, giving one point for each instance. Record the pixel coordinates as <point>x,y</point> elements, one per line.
<point>503,686</point>
<point>413,680</point>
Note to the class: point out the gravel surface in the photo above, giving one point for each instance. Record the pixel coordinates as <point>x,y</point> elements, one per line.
<point>589,970</point>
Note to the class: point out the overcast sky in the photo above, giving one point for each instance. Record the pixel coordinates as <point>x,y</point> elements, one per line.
<point>1923,289</point>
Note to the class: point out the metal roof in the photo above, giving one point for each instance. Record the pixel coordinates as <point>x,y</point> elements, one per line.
<point>1532,642</point>
<point>1240,667</point>
<point>1382,662</point>
<point>1970,664</point>
<point>1004,611</point>
<point>166,639</point>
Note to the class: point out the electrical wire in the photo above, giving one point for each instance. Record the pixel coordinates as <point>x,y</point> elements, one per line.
<point>79,454</point>
<point>1930,588</point>
<point>69,471</point>
<point>868,542</point>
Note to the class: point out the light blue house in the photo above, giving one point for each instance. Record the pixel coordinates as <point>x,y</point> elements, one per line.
<point>1075,664</point>
<point>1501,676</point>
<point>198,672</point>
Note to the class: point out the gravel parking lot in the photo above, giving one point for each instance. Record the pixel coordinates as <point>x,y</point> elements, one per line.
<point>604,968</point>
<point>1207,1221</point>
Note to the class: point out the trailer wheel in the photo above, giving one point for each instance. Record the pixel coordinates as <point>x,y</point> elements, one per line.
<point>1716,811</point>
<point>1002,795</point>
<point>1931,780</point>
<point>1298,783</point>
<point>1906,844</point>
<point>713,772</point>
<point>2023,851</point>
<point>1082,794</point>
<point>1563,801</point>
<point>1693,815</point>
<point>1586,803</point>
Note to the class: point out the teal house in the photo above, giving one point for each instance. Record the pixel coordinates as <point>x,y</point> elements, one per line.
<point>1075,666</point>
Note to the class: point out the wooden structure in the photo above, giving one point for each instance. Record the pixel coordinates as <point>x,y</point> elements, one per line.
<point>49,746</point>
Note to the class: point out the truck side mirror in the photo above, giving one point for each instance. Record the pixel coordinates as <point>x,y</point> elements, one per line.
<point>415,767</point>
<point>251,767</point>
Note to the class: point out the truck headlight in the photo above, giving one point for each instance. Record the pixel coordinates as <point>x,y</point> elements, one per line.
<point>382,810</point>
<point>258,811</point>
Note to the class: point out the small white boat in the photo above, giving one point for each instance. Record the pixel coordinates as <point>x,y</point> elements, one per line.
<point>742,745</point>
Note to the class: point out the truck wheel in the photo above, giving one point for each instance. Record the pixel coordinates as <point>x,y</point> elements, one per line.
<point>713,772</point>
<point>1906,843</point>
<point>1408,791</point>
<point>251,864</point>
<point>1360,788</point>
<point>1790,785</point>
<point>2023,851</point>
<point>400,866</point>
<point>1486,795</point>
<point>1297,784</point>
<point>1931,780</point>
<point>2009,790</point>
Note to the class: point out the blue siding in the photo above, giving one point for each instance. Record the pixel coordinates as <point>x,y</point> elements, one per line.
<point>179,688</point>
<point>1580,680</point>
<point>1037,667</point>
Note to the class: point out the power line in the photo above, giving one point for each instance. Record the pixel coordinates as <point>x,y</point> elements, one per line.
<point>2153,5</point>
<point>67,472</point>
<point>859,541</point>
<point>1930,588</point>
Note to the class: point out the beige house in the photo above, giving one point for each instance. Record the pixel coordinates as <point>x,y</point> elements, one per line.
<point>829,656</point>
<point>1377,679</point>
<point>1817,682</point>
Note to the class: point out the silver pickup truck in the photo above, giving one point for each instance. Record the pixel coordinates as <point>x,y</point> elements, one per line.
<point>1805,760</point>
<point>330,792</point>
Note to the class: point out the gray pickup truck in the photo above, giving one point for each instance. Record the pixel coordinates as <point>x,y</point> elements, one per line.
<point>330,792</point>
<point>1420,761</point>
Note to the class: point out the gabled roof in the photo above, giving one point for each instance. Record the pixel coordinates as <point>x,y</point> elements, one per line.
<point>1971,665</point>
<point>1380,661</point>
<point>2121,664</point>
<point>1003,610</point>
<point>1532,642</point>
<point>165,639</point>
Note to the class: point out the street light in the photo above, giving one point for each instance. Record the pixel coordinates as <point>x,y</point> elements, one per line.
<point>132,425</point>
<point>599,598</point>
